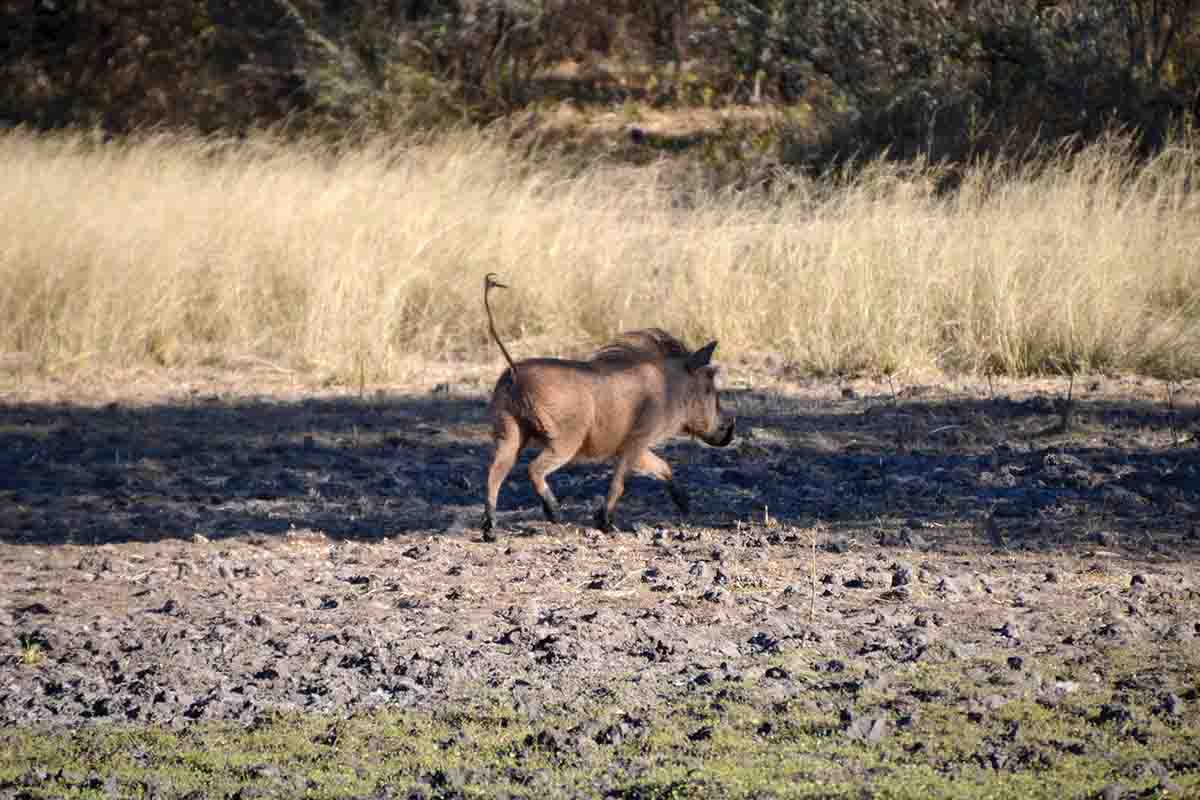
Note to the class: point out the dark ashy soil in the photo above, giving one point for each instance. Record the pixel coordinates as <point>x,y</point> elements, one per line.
<point>201,552</point>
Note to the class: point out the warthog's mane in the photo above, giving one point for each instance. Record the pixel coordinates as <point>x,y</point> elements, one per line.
<point>649,344</point>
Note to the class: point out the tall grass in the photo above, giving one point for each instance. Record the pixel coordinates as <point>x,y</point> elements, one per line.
<point>176,250</point>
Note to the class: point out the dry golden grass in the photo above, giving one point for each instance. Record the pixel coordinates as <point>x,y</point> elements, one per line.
<point>175,250</point>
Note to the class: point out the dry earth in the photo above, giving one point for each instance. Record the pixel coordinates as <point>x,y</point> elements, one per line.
<point>220,546</point>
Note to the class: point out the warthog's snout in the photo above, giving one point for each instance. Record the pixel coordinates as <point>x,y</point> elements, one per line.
<point>722,436</point>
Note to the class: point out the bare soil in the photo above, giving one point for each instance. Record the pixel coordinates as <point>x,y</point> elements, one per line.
<point>213,546</point>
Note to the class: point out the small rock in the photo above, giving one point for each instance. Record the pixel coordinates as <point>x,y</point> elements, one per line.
<point>994,701</point>
<point>915,637</point>
<point>877,682</point>
<point>995,758</point>
<point>903,538</point>
<point>1137,580</point>
<point>902,574</point>
<point>35,777</point>
<point>836,544</point>
<point>545,740</point>
<point>32,608</point>
<point>251,793</point>
<point>764,643</point>
<point>166,608</point>
<point>866,729</point>
<point>1172,705</point>
<point>1111,791</point>
<point>947,586</point>
<point>1113,712</point>
<point>1015,662</point>
<point>72,777</point>
<point>264,771</point>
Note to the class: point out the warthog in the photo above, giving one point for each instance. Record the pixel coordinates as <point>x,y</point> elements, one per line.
<point>624,399</point>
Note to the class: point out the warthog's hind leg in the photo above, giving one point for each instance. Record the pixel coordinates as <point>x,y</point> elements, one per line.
<point>509,440</point>
<point>556,454</point>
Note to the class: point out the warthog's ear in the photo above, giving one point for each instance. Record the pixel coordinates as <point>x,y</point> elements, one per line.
<point>701,357</point>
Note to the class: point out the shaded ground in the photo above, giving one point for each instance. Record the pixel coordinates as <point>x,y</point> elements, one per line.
<point>860,563</point>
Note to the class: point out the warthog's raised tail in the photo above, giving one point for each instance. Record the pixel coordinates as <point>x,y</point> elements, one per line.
<point>492,281</point>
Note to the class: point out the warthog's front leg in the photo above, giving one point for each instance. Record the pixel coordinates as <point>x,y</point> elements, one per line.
<point>488,525</point>
<point>604,520</point>
<point>643,462</point>
<point>652,465</point>
<point>616,488</point>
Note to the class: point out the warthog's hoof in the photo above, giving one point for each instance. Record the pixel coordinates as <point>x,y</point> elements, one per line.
<point>488,526</point>
<point>550,507</point>
<point>604,521</point>
<point>680,497</point>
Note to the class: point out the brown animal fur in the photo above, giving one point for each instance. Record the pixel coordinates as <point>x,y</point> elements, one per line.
<point>628,396</point>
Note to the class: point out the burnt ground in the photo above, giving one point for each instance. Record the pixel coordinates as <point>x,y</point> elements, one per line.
<point>219,547</point>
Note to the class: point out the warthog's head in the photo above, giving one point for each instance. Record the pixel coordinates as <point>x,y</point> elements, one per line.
<point>704,418</point>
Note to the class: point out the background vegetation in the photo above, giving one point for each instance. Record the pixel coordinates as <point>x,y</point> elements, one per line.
<point>181,250</point>
<point>937,77</point>
<point>855,185</point>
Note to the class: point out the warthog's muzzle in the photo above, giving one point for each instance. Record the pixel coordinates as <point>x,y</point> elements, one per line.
<point>722,436</point>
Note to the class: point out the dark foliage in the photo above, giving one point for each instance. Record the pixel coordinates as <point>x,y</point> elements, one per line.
<point>943,78</point>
